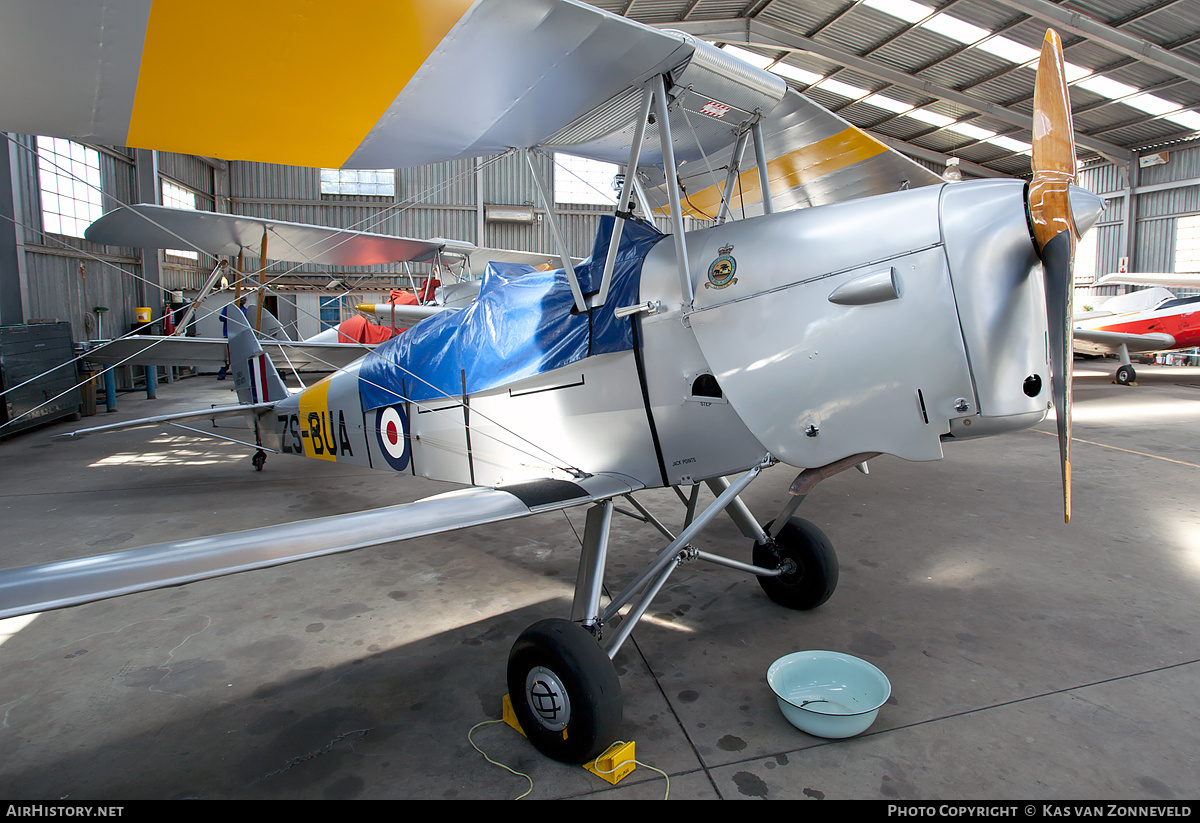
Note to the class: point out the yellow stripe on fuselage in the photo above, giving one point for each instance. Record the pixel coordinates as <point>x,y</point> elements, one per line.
<point>318,432</point>
<point>271,67</point>
<point>803,165</point>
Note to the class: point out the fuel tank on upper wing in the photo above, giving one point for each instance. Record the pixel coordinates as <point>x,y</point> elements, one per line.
<point>880,324</point>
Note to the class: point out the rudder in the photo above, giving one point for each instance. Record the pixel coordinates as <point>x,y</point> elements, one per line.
<point>254,375</point>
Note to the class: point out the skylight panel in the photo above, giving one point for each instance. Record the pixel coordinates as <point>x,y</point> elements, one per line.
<point>794,73</point>
<point>1151,104</point>
<point>1187,119</point>
<point>842,89</point>
<point>888,104</point>
<point>1015,146</point>
<point>930,117</point>
<point>1009,50</point>
<point>906,10</point>
<point>1106,87</point>
<point>756,60</point>
<point>968,130</point>
<point>955,29</point>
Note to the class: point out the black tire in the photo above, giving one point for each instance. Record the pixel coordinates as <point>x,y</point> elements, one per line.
<point>259,460</point>
<point>816,573</point>
<point>564,691</point>
<point>1125,375</point>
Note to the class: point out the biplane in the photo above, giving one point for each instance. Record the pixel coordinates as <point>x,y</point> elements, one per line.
<point>666,359</point>
<point>151,226</point>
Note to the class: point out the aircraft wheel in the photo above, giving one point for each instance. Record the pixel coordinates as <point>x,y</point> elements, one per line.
<point>564,691</point>
<point>1125,375</point>
<point>814,574</point>
<point>259,460</point>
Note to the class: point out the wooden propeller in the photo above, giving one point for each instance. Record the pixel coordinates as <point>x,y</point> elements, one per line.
<point>1054,230</point>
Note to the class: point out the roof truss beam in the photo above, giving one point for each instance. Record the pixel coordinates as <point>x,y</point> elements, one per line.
<point>745,30</point>
<point>1119,41</point>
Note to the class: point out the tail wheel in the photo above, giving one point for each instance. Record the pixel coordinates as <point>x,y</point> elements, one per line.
<point>564,691</point>
<point>812,565</point>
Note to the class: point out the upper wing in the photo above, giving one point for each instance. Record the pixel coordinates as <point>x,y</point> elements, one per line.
<point>162,227</point>
<point>71,582</point>
<point>1092,341</point>
<point>814,158</point>
<point>457,79</point>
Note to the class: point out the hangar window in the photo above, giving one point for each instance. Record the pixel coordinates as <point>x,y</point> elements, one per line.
<point>178,197</point>
<point>362,182</point>
<point>69,177</point>
<point>1084,267</point>
<point>1187,244</point>
<point>580,180</point>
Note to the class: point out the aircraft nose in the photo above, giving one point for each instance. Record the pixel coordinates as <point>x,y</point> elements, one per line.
<point>1086,208</point>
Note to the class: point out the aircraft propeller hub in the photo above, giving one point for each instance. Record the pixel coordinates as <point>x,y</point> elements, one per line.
<point>1086,209</point>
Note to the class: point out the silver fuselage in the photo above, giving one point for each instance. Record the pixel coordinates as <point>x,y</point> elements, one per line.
<point>878,325</point>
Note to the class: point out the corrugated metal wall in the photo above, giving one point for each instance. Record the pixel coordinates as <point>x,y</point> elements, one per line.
<point>446,200</point>
<point>1173,192</point>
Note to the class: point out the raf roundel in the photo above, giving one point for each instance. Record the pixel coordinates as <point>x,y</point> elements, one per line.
<point>391,429</point>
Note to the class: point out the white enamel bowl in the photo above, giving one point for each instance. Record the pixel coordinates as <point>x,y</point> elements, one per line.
<point>828,694</point>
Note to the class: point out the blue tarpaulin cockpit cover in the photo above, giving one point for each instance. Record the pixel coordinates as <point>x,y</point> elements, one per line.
<point>522,323</point>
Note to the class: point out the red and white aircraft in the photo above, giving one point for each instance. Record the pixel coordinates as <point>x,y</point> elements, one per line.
<point>1148,320</point>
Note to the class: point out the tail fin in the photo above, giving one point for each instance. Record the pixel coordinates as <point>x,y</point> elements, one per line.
<point>254,375</point>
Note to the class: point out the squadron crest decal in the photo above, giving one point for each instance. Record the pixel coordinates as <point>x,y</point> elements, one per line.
<point>720,273</point>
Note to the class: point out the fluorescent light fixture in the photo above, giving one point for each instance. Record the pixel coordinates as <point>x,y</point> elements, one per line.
<point>756,60</point>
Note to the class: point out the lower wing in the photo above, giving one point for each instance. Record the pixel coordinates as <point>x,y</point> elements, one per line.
<point>82,580</point>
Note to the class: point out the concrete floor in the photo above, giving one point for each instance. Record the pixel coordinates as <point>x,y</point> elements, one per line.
<point>1028,659</point>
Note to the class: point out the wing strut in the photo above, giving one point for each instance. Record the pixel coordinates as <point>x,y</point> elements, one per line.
<point>209,286</point>
<point>635,154</point>
<point>735,168</point>
<point>556,230</point>
<point>668,151</point>
<point>760,155</point>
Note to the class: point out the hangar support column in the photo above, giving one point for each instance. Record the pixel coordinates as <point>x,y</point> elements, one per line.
<point>146,171</point>
<point>13,306</point>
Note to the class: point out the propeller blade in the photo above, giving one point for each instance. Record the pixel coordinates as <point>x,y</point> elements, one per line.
<point>1055,231</point>
<point>1056,260</point>
<point>1053,146</point>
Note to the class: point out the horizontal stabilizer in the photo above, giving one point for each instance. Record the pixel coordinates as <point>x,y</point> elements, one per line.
<point>71,582</point>
<point>215,413</point>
